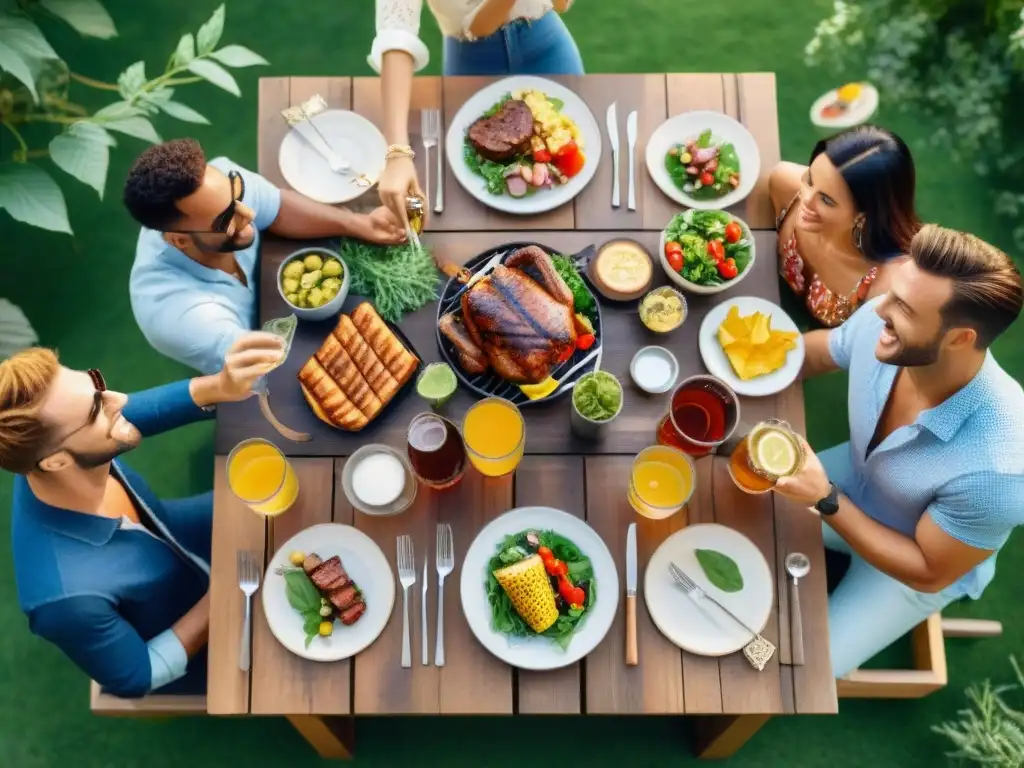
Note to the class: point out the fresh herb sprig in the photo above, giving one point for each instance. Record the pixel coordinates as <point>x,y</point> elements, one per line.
<point>720,569</point>
<point>583,299</point>
<point>304,597</point>
<point>398,279</point>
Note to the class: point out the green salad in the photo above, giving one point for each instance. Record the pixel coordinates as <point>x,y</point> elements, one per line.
<point>583,299</point>
<point>704,168</point>
<point>707,247</point>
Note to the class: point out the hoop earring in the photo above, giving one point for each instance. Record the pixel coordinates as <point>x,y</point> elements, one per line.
<point>858,235</point>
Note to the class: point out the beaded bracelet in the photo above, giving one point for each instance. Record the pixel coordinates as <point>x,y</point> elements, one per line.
<point>399,150</point>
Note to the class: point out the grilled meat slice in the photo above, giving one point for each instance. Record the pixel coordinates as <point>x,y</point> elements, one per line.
<point>504,135</point>
<point>329,575</point>
<point>471,357</point>
<point>344,598</point>
<point>311,563</point>
<point>351,616</point>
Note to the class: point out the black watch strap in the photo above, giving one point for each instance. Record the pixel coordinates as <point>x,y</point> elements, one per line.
<point>830,504</point>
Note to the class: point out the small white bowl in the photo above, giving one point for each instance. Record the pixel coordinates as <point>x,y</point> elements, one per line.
<point>399,505</point>
<point>646,384</point>
<point>324,311</point>
<point>686,285</point>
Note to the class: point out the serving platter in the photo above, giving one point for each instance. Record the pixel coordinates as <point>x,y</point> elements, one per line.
<point>489,384</point>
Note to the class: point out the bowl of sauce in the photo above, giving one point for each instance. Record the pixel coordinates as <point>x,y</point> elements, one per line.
<point>378,480</point>
<point>654,370</point>
<point>663,309</point>
<point>622,270</point>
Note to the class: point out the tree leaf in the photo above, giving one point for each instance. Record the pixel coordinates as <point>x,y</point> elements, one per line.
<point>215,74</point>
<point>116,110</point>
<point>24,36</point>
<point>87,17</point>
<point>14,62</point>
<point>209,34</point>
<point>30,195</point>
<point>139,127</point>
<point>183,112</point>
<point>720,569</point>
<point>238,56</point>
<point>84,152</point>
<point>132,80</point>
<point>16,332</point>
<point>186,50</point>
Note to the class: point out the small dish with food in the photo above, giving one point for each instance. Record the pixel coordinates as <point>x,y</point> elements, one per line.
<point>313,283</point>
<point>622,270</point>
<point>663,310</point>
<point>706,251</point>
<point>654,370</point>
<point>378,481</point>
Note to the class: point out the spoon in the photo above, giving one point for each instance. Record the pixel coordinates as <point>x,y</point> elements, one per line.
<point>797,566</point>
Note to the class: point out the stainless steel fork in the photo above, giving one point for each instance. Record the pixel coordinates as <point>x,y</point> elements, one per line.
<point>694,590</point>
<point>445,564</point>
<point>430,128</point>
<point>407,577</point>
<point>248,582</point>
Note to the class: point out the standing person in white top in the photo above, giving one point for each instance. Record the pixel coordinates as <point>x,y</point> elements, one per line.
<point>481,37</point>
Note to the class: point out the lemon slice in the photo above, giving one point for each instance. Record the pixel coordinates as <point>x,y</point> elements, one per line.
<point>849,93</point>
<point>776,453</point>
<point>542,389</point>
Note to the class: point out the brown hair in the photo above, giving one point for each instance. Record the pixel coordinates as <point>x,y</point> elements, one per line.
<point>25,380</point>
<point>987,294</point>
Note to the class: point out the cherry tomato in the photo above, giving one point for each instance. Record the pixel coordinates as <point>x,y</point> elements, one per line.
<point>671,246</point>
<point>675,260</point>
<point>569,163</point>
<point>707,179</point>
<point>555,567</point>
<point>585,341</point>
<point>574,596</point>
<point>542,156</point>
<point>727,269</point>
<point>733,232</point>
<point>545,553</point>
<point>569,148</point>
<point>716,250</point>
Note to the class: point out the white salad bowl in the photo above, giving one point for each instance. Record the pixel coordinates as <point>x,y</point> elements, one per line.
<point>708,290</point>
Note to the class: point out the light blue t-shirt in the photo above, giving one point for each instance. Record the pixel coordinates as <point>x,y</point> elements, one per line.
<point>190,312</point>
<point>961,462</point>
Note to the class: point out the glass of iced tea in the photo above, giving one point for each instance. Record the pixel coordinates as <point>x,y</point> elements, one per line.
<point>769,451</point>
<point>435,449</point>
<point>661,482</point>
<point>495,436</point>
<point>703,414</point>
<point>260,475</point>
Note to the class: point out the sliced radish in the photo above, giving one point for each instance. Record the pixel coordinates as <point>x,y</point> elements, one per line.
<point>517,186</point>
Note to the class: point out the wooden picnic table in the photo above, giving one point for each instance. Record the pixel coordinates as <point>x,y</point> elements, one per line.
<point>728,698</point>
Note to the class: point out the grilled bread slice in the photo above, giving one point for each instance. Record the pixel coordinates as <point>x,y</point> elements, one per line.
<point>399,361</point>
<point>327,399</point>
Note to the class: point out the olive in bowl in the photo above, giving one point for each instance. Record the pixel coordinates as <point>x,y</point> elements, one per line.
<point>313,283</point>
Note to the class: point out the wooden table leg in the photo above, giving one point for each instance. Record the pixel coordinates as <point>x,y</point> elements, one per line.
<point>720,736</point>
<point>333,736</point>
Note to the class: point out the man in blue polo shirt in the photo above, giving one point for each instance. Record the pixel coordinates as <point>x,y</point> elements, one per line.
<point>112,575</point>
<point>931,482</point>
<point>193,285</point>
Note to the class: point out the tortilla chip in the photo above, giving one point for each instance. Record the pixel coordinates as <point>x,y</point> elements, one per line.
<point>752,346</point>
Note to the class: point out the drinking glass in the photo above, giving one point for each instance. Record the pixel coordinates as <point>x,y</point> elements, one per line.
<point>495,436</point>
<point>261,476</point>
<point>661,482</point>
<point>703,414</point>
<point>435,451</point>
<point>756,465</point>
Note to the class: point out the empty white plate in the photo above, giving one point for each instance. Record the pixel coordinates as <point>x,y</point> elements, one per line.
<point>353,138</point>
<point>701,627</point>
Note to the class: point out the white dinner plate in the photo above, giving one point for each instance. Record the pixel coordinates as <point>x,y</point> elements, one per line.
<point>689,125</point>
<point>351,137</point>
<point>364,563</point>
<point>538,652</point>
<point>859,112</point>
<point>545,200</point>
<point>699,626</point>
<point>718,364</point>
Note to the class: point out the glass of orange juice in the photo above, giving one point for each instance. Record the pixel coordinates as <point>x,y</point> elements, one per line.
<point>661,482</point>
<point>260,475</point>
<point>495,436</point>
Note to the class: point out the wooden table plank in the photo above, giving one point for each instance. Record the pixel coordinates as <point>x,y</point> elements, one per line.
<point>235,528</point>
<point>551,481</point>
<point>655,685</point>
<point>275,95</point>
<point>283,683</point>
<point>758,111</point>
<point>465,213</point>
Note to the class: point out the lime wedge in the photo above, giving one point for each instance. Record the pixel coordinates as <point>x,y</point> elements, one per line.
<point>436,384</point>
<point>776,453</point>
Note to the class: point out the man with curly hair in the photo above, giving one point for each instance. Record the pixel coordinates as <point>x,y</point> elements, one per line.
<point>193,284</point>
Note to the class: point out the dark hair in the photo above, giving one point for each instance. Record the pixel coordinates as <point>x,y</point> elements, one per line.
<point>163,175</point>
<point>987,294</point>
<point>877,167</point>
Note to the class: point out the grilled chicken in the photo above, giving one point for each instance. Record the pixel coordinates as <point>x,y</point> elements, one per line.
<point>518,326</point>
<point>330,578</point>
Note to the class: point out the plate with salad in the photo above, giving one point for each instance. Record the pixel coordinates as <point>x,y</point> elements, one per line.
<point>539,588</point>
<point>706,251</point>
<point>704,160</point>
<point>524,145</point>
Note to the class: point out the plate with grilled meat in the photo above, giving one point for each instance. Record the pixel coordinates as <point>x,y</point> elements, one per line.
<point>328,592</point>
<point>359,369</point>
<point>524,145</point>
<point>519,322</point>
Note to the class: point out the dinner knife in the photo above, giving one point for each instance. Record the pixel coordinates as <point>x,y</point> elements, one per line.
<point>631,142</point>
<point>612,119</point>
<point>631,650</point>
<point>423,613</point>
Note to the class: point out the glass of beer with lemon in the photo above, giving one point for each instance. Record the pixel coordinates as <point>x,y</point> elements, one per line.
<point>260,475</point>
<point>769,451</point>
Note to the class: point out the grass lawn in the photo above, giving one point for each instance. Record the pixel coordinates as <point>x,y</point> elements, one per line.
<point>75,293</point>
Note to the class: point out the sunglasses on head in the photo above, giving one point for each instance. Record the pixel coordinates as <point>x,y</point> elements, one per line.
<point>223,221</point>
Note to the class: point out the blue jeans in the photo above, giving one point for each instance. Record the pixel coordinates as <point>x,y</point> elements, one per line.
<point>541,47</point>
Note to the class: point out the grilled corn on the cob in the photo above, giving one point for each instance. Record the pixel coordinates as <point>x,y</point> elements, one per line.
<point>527,586</point>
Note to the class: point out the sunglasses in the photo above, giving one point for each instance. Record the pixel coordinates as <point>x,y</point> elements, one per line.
<point>223,221</point>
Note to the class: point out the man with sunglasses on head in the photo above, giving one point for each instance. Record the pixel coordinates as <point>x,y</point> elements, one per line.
<point>193,284</point>
<point>115,577</point>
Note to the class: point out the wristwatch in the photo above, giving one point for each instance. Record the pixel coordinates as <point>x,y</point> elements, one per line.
<point>830,504</point>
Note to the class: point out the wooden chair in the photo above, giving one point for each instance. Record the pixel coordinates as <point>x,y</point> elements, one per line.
<point>929,653</point>
<point>165,705</point>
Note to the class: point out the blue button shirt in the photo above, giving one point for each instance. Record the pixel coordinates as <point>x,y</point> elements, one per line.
<point>188,311</point>
<point>107,594</point>
<point>961,462</point>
